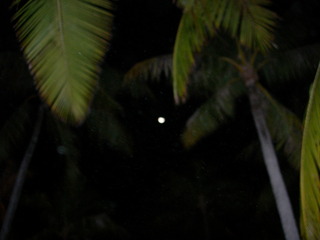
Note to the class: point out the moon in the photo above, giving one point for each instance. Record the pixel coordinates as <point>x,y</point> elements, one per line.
<point>161,120</point>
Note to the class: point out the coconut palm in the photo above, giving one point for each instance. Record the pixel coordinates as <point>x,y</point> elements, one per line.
<point>251,24</point>
<point>220,105</point>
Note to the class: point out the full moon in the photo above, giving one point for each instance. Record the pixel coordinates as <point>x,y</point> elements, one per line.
<point>161,120</point>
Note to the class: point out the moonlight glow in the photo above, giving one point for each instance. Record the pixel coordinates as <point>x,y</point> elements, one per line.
<point>161,120</point>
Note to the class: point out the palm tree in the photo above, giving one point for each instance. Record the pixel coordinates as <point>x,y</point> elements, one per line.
<point>63,43</point>
<point>251,24</point>
<point>250,77</point>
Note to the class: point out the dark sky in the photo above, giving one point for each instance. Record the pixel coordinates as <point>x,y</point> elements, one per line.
<point>142,29</point>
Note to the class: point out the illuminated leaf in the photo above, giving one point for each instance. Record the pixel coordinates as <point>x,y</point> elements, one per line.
<point>63,43</point>
<point>310,166</point>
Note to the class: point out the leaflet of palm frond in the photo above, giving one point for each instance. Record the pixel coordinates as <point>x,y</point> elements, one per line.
<point>285,128</point>
<point>191,36</point>
<point>63,43</point>
<point>16,131</point>
<point>310,166</point>
<point>291,63</point>
<point>256,30</point>
<point>151,69</point>
<point>105,127</point>
<point>212,113</point>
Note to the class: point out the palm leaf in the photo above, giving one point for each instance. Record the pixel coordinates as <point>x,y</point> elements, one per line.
<point>63,42</point>
<point>152,68</point>
<point>292,63</point>
<point>212,113</point>
<point>310,166</point>
<point>285,128</point>
<point>191,36</point>
<point>257,23</point>
<point>249,22</point>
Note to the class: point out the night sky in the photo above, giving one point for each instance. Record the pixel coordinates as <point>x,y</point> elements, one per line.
<point>126,176</point>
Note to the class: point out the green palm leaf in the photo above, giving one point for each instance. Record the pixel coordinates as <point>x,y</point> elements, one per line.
<point>257,25</point>
<point>151,69</point>
<point>192,34</point>
<point>310,166</point>
<point>212,113</point>
<point>250,22</point>
<point>63,42</point>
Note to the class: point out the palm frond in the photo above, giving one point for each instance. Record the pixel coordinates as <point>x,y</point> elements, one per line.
<point>291,63</point>
<point>257,23</point>
<point>150,69</point>
<point>191,36</point>
<point>310,166</point>
<point>63,43</point>
<point>249,22</point>
<point>212,113</point>
<point>285,128</point>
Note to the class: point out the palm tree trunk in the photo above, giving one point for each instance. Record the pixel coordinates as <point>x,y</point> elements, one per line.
<point>15,196</point>
<point>270,159</point>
